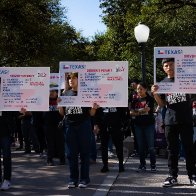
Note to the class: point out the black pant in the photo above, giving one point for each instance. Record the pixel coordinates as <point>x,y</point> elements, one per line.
<point>55,142</point>
<point>29,136</point>
<point>5,150</point>
<point>134,136</point>
<point>19,133</point>
<point>117,139</point>
<point>172,134</point>
<point>39,131</point>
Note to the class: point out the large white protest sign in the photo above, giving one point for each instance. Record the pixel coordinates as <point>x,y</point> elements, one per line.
<point>24,87</point>
<point>102,82</point>
<point>185,69</point>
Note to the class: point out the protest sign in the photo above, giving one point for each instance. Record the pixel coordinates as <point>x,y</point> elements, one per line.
<point>24,87</point>
<point>184,70</point>
<point>101,82</point>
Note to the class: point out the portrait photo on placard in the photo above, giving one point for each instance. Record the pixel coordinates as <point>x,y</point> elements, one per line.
<point>165,67</point>
<point>71,84</point>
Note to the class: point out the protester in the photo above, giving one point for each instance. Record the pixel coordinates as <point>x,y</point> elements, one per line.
<point>177,121</point>
<point>132,97</point>
<point>28,132</point>
<point>38,128</point>
<point>78,133</point>
<point>109,121</point>
<point>142,109</point>
<point>54,136</point>
<point>194,125</point>
<point>6,123</point>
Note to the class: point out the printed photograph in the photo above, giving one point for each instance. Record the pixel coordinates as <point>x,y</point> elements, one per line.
<point>165,69</point>
<point>71,84</point>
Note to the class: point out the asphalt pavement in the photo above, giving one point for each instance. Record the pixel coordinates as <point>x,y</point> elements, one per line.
<point>31,176</point>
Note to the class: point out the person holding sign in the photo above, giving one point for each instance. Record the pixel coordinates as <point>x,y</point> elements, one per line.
<point>54,135</point>
<point>78,132</point>
<point>178,121</point>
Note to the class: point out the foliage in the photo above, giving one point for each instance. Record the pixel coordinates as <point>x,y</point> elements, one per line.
<point>171,23</point>
<point>36,33</point>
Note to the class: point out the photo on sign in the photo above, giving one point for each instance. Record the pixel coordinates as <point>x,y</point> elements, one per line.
<point>71,84</point>
<point>164,68</point>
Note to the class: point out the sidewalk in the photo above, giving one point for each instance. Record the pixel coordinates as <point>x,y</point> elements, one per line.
<point>31,176</point>
<point>148,183</point>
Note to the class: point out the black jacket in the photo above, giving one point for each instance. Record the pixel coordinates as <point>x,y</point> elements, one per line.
<point>110,116</point>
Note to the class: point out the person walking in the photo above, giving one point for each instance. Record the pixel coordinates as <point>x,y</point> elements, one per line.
<point>178,122</point>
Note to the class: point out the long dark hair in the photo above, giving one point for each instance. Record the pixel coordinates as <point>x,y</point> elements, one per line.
<point>144,85</point>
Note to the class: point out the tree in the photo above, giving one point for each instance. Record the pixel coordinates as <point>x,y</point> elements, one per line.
<point>177,3</point>
<point>171,22</point>
<point>36,33</point>
<point>23,34</point>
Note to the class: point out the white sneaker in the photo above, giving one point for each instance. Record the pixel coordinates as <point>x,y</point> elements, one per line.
<point>82,184</point>
<point>5,185</point>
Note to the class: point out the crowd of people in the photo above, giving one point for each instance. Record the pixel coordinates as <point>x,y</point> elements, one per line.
<point>75,139</point>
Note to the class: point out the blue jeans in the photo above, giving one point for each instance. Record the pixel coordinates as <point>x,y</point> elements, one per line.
<point>78,139</point>
<point>5,149</point>
<point>145,136</point>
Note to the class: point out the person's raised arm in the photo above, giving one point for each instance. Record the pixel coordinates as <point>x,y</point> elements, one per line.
<point>93,109</point>
<point>24,112</point>
<point>157,97</point>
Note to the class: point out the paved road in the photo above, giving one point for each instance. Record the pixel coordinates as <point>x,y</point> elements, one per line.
<point>148,183</point>
<point>31,176</point>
